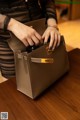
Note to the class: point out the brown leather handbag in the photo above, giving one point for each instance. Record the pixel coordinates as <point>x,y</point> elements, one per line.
<point>37,70</point>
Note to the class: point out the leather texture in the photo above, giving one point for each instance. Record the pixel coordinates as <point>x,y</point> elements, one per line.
<point>37,70</point>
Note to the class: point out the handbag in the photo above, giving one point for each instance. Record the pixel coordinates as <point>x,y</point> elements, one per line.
<point>40,68</point>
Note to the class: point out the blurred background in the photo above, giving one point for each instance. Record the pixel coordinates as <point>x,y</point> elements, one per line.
<point>67,9</point>
<point>62,8</point>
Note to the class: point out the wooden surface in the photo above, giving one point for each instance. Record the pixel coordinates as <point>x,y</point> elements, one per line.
<point>60,102</point>
<point>71,32</point>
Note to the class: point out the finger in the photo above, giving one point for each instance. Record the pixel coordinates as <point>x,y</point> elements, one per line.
<point>25,42</point>
<point>36,41</point>
<point>38,36</point>
<point>31,43</point>
<point>55,41</point>
<point>51,40</point>
<point>46,38</point>
<point>43,36</point>
<point>59,39</point>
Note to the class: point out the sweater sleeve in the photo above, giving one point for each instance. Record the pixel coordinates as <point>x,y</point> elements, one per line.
<point>48,8</point>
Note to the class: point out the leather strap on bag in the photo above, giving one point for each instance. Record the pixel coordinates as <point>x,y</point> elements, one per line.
<point>42,60</point>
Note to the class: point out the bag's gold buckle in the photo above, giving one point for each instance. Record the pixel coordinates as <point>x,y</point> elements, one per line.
<point>47,60</point>
<point>48,51</point>
<point>42,60</point>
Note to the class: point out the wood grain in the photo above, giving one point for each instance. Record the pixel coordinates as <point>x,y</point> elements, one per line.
<point>59,102</point>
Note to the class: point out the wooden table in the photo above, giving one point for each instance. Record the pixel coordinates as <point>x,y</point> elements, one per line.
<point>60,102</point>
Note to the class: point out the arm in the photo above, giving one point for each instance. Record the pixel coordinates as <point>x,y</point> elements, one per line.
<point>48,8</point>
<point>2,18</point>
<point>24,33</point>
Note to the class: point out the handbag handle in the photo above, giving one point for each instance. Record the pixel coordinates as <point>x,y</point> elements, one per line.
<point>42,60</point>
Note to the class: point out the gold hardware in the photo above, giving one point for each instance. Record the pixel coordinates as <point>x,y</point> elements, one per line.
<point>50,60</point>
<point>48,51</point>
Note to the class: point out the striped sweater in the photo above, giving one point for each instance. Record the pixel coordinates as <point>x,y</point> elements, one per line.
<point>27,10</point>
<point>15,8</point>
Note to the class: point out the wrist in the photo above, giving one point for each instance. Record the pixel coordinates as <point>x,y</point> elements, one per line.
<point>53,26</point>
<point>51,22</point>
<point>11,24</point>
<point>6,22</point>
<point>2,18</point>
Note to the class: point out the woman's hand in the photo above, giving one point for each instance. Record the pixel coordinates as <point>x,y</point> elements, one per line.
<point>54,35</point>
<point>26,34</point>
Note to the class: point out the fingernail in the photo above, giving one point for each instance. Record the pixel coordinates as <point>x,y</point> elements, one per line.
<point>50,49</point>
<point>45,43</point>
<point>58,45</point>
<point>53,49</point>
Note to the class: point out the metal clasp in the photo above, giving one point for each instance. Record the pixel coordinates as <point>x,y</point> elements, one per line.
<point>47,60</point>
